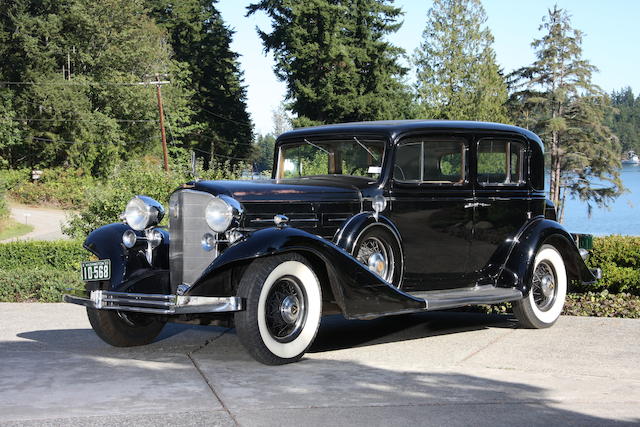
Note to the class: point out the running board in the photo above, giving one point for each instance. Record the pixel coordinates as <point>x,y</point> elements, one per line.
<point>443,299</point>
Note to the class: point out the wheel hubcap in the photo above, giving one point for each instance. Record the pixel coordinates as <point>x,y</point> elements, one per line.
<point>377,257</point>
<point>544,287</point>
<point>290,309</point>
<point>285,309</point>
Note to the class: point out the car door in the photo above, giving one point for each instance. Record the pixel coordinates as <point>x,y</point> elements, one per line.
<point>430,193</point>
<point>501,203</point>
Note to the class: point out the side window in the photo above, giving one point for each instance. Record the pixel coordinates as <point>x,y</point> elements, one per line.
<point>431,160</point>
<point>407,166</point>
<point>500,162</point>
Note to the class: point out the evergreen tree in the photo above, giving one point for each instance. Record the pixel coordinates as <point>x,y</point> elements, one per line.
<point>624,119</point>
<point>570,110</point>
<point>201,41</point>
<point>334,59</point>
<point>457,74</point>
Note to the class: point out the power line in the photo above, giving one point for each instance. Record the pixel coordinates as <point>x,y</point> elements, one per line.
<point>15,119</point>
<point>77,83</point>
<point>226,118</point>
<point>220,155</point>
<point>88,142</point>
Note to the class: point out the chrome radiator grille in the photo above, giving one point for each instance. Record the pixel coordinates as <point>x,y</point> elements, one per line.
<point>187,225</point>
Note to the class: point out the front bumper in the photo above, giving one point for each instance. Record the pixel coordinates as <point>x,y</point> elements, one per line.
<point>155,303</point>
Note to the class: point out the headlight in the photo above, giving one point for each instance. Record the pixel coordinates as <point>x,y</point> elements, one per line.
<point>220,213</point>
<point>143,212</point>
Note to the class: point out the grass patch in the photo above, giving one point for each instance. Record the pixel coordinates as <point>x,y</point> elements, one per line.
<point>10,228</point>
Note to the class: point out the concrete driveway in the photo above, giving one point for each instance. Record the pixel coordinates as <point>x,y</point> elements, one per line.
<point>428,369</point>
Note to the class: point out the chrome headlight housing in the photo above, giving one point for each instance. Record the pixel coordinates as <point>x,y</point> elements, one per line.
<point>221,212</point>
<point>143,212</point>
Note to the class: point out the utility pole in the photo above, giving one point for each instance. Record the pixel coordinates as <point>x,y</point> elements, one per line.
<point>161,112</point>
<point>159,83</point>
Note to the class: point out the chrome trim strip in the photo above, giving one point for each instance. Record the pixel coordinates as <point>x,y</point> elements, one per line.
<point>156,304</point>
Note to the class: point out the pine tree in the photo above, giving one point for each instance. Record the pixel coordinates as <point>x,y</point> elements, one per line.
<point>624,119</point>
<point>201,41</point>
<point>457,74</point>
<point>569,112</point>
<point>334,59</point>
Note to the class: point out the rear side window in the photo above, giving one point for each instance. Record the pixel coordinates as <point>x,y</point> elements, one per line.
<point>500,162</point>
<point>431,160</point>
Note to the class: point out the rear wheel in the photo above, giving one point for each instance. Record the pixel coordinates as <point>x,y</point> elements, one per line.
<point>283,309</point>
<point>548,289</point>
<point>125,329</point>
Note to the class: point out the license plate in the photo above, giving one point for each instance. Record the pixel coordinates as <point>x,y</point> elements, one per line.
<point>96,270</point>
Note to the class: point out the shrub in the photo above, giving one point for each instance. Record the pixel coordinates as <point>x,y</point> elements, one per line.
<point>107,201</point>
<point>42,284</point>
<point>603,304</point>
<point>62,255</point>
<point>619,259</point>
<point>60,187</point>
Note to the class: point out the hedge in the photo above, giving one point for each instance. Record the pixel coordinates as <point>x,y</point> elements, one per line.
<point>63,255</point>
<point>41,284</point>
<point>619,259</point>
<point>40,270</point>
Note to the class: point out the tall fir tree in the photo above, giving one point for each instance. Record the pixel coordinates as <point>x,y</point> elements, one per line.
<point>570,112</point>
<point>624,118</point>
<point>335,60</point>
<point>457,74</point>
<point>201,41</point>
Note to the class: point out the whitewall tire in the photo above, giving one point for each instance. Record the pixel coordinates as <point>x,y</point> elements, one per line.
<point>548,290</point>
<point>283,307</point>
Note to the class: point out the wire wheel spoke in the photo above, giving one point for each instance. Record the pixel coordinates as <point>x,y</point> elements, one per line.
<point>285,309</point>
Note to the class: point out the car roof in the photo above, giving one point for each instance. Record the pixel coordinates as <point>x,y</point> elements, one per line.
<point>394,128</point>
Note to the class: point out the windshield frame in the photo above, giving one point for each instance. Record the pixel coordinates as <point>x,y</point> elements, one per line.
<point>312,139</point>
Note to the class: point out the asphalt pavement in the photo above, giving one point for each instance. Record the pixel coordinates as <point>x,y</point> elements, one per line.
<point>47,223</point>
<point>429,369</point>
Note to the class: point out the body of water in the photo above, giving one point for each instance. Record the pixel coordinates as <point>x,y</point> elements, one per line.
<point>622,216</point>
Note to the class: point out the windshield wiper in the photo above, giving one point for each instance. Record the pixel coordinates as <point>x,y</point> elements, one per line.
<point>363,146</point>
<point>314,145</point>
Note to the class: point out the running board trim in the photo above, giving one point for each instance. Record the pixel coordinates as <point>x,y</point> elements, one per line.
<point>440,300</point>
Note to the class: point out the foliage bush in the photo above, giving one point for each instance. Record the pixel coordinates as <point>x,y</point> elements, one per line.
<point>619,259</point>
<point>39,270</point>
<point>106,200</point>
<point>61,187</point>
<point>603,304</point>
<point>41,284</point>
<point>63,255</point>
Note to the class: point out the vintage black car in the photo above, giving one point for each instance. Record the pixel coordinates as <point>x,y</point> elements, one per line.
<point>365,219</point>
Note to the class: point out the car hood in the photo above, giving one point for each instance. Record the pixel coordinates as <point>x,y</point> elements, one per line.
<point>304,190</point>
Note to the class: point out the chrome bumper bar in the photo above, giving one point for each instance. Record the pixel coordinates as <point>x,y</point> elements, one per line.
<point>155,303</point>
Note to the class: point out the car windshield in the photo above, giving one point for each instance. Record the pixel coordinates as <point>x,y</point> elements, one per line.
<point>355,156</point>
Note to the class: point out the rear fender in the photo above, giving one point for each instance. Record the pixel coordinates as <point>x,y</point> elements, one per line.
<point>518,269</point>
<point>358,292</point>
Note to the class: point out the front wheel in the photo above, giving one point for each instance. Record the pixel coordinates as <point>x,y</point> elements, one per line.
<point>283,309</point>
<point>125,329</point>
<point>542,307</point>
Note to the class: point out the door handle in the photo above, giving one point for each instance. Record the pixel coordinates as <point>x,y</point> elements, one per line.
<point>477,205</point>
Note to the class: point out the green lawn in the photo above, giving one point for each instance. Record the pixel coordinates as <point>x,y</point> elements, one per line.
<point>10,228</point>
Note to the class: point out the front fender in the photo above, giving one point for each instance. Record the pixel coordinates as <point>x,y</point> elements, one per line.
<point>518,268</point>
<point>130,271</point>
<point>358,292</point>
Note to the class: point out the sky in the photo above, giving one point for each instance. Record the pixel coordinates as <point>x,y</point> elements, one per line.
<point>611,42</point>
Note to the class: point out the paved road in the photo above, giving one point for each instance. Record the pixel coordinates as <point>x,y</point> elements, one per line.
<point>46,222</point>
<point>428,369</point>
